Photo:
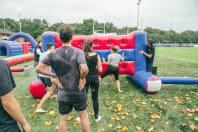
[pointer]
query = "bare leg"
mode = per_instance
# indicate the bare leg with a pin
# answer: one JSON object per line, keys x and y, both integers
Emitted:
{"x": 118, "y": 86}
{"x": 45, "y": 98}
{"x": 84, "y": 121}
{"x": 100, "y": 79}
{"x": 63, "y": 123}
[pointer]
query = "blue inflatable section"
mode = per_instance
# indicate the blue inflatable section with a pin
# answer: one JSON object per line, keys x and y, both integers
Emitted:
{"x": 140, "y": 44}
{"x": 10, "y": 48}
{"x": 141, "y": 78}
{"x": 179, "y": 80}
{"x": 23, "y": 35}
{"x": 129, "y": 54}
{"x": 47, "y": 38}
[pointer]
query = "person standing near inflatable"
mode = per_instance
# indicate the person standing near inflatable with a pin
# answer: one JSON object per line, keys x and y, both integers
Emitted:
{"x": 113, "y": 61}
{"x": 46, "y": 80}
{"x": 150, "y": 52}
{"x": 71, "y": 70}
{"x": 10, "y": 111}
{"x": 92, "y": 80}
{"x": 37, "y": 53}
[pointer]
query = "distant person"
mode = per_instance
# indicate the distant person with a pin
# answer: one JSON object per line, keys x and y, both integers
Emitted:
{"x": 150, "y": 53}
{"x": 37, "y": 53}
{"x": 92, "y": 80}
{"x": 71, "y": 69}
{"x": 46, "y": 80}
{"x": 113, "y": 60}
{"x": 10, "y": 112}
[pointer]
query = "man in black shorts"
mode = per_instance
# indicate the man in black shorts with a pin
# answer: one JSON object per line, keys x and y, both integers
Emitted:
{"x": 71, "y": 69}
{"x": 150, "y": 53}
{"x": 46, "y": 81}
{"x": 10, "y": 112}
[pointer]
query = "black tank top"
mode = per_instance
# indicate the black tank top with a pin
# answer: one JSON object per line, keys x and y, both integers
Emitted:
{"x": 92, "y": 62}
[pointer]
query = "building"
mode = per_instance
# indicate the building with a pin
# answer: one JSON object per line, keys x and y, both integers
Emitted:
{"x": 5, "y": 34}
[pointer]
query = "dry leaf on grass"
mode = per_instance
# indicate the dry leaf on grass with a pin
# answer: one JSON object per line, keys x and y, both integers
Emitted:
{"x": 110, "y": 125}
{"x": 124, "y": 129}
{"x": 48, "y": 123}
{"x": 151, "y": 129}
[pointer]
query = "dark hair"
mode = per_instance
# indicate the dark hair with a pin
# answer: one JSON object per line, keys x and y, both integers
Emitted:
{"x": 87, "y": 48}
{"x": 115, "y": 48}
{"x": 39, "y": 42}
{"x": 150, "y": 42}
{"x": 49, "y": 45}
{"x": 66, "y": 34}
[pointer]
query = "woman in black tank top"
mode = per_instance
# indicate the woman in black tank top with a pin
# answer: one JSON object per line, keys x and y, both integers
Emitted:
{"x": 92, "y": 80}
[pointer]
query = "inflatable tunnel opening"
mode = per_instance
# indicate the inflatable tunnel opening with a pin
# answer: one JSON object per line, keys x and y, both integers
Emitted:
{"x": 3, "y": 51}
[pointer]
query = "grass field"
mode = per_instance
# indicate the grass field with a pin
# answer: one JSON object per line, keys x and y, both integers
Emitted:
{"x": 170, "y": 110}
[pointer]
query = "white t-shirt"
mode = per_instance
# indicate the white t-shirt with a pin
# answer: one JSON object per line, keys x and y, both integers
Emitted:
{"x": 115, "y": 58}
{"x": 42, "y": 57}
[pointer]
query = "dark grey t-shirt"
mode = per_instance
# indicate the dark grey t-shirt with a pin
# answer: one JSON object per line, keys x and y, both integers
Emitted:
{"x": 66, "y": 62}
{"x": 7, "y": 123}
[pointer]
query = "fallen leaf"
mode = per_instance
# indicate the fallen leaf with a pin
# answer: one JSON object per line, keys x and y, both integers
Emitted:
{"x": 152, "y": 121}
{"x": 182, "y": 111}
{"x": 151, "y": 129}
{"x": 69, "y": 118}
{"x": 160, "y": 107}
{"x": 184, "y": 124}
{"x": 101, "y": 130}
{"x": 48, "y": 123}
{"x": 155, "y": 116}
{"x": 193, "y": 127}
{"x": 110, "y": 125}
{"x": 161, "y": 131}
{"x": 124, "y": 129}
{"x": 131, "y": 120}
{"x": 118, "y": 127}
{"x": 135, "y": 116}
{"x": 189, "y": 114}
{"x": 138, "y": 128}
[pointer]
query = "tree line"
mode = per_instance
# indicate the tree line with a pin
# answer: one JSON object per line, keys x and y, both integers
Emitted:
{"x": 36, "y": 27}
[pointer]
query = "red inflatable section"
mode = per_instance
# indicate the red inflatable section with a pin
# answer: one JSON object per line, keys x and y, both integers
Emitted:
{"x": 101, "y": 42}
{"x": 152, "y": 79}
{"x": 19, "y": 60}
{"x": 127, "y": 67}
{"x": 16, "y": 69}
{"x": 106, "y": 42}
{"x": 26, "y": 46}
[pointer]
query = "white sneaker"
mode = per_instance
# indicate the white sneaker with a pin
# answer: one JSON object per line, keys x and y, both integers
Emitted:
{"x": 99, "y": 118}
{"x": 78, "y": 119}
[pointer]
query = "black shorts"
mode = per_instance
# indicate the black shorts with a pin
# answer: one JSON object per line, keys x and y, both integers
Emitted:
{"x": 66, "y": 107}
{"x": 46, "y": 81}
{"x": 111, "y": 69}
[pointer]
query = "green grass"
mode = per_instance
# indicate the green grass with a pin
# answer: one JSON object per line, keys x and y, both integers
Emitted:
{"x": 138, "y": 102}
{"x": 184, "y": 53}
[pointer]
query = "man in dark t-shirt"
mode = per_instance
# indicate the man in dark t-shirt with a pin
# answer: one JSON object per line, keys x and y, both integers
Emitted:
{"x": 150, "y": 53}
{"x": 71, "y": 69}
{"x": 10, "y": 111}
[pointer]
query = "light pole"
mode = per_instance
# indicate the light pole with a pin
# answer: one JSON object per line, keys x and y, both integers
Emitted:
{"x": 4, "y": 24}
{"x": 19, "y": 17}
{"x": 138, "y": 3}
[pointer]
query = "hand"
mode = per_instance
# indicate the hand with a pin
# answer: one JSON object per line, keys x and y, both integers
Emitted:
{"x": 123, "y": 54}
{"x": 26, "y": 128}
{"x": 141, "y": 52}
{"x": 54, "y": 80}
{"x": 81, "y": 84}
{"x": 103, "y": 59}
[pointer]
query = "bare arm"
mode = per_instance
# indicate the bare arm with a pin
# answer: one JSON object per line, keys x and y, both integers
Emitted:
{"x": 83, "y": 73}
{"x": 146, "y": 54}
{"x": 103, "y": 60}
{"x": 123, "y": 54}
{"x": 12, "y": 107}
{"x": 99, "y": 65}
{"x": 41, "y": 69}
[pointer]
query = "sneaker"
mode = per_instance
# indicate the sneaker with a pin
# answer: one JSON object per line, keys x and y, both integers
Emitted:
{"x": 78, "y": 119}
{"x": 99, "y": 118}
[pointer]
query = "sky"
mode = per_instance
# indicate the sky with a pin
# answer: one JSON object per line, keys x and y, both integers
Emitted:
{"x": 178, "y": 15}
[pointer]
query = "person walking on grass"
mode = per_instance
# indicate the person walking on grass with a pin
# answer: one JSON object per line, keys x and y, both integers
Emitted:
{"x": 71, "y": 69}
{"x": 150, "y": 53}
{"x": 37, "y": 53}
{"x": 46, "y": 80}
{"x": 113, "y": 60}
{"x": 92, "y": 80}
{"x": 10, "y": 111}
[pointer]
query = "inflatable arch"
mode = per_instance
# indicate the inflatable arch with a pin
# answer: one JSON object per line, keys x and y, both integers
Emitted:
{"x": 10, "y": 48}
{"x": 23, "y": 35}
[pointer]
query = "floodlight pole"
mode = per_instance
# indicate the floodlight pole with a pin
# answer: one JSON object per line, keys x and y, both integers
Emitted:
{"x": 19, "y": 17}
{"x": 138, "y": 3}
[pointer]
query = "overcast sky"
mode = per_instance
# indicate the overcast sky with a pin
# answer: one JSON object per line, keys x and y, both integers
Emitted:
{"x": 183, "y": 14}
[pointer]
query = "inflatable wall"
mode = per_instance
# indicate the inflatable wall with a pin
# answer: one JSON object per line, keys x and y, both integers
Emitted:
{"x": 134, "y": 64}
